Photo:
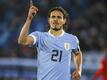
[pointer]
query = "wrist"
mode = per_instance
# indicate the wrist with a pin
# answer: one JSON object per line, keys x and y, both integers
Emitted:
{"x": 79, "y": 71}
{"x": 29, "y": 18}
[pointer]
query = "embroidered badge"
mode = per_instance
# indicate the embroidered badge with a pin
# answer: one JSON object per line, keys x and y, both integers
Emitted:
{"x": 67, "y": 46}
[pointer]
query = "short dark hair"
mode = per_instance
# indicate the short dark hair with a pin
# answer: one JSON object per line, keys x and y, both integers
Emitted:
{"x": 65, "y": 15}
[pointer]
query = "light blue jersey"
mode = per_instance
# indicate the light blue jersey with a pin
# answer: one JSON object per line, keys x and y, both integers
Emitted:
{"x": 54, "y": 55}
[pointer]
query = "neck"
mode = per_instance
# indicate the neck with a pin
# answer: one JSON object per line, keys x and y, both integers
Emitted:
{"x": 56, "y": 33}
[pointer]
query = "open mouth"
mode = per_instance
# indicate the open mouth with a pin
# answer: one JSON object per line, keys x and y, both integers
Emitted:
{"x": 55, "y": 23}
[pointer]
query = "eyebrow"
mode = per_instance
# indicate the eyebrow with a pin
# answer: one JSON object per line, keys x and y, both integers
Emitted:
{"x": 56, "y": 16}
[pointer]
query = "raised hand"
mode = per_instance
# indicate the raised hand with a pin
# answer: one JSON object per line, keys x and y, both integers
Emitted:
{"x": 32, "y": 10}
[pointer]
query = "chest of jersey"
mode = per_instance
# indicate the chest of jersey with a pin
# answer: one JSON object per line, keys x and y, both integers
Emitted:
{"x": 55, "y": 48}
{"x": 49, "y": 43}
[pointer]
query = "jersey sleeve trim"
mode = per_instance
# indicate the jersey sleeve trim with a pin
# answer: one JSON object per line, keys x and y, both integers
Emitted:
{"x": 34, "y": 38}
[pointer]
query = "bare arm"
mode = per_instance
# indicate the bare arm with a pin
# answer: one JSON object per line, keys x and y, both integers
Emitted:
{"x": 78, "y": 61}
{"x": 24, "y": 39}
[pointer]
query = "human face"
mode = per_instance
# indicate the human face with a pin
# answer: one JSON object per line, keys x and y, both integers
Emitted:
{"x": 56, "y": 20}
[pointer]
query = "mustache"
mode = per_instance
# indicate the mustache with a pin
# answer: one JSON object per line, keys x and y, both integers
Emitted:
{"x": 55, "y": 22}
{"x": 56, "y": 29}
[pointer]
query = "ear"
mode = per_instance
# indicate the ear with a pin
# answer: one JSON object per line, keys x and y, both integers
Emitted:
{"x": 48, "y": 20}
{"x": 64, "y": 21}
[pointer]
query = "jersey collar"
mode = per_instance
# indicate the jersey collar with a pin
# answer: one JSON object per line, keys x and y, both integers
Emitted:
{"x": 57, "y": 36}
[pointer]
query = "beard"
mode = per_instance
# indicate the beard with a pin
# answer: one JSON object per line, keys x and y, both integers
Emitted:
{"x": 57, "y": 28}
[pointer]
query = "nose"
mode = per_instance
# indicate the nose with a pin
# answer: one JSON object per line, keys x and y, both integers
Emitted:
{"x": 56, "y": 21}
{"x": 55, "y": 18}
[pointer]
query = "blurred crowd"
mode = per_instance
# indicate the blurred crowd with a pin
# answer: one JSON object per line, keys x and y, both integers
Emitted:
{"x": 87, "y": 21}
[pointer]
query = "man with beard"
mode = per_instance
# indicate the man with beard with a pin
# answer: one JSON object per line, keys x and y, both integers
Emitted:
{"x": 54, "y": 47}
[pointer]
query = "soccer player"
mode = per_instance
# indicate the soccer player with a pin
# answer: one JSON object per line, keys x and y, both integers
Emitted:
{"x": 54, "y": 47}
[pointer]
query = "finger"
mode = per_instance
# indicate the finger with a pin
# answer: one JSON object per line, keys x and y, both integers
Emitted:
{"x": 76, "y": 78}
{"x": 31, "y": 3}
{"x": 74, "y": 75}
{"x": 36, "y": 9}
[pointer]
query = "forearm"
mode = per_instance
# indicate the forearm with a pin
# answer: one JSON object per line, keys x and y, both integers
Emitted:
{"x": 24, "y": 32}
{"x": 78, "y": 61}
{"x": 23, "y": 37}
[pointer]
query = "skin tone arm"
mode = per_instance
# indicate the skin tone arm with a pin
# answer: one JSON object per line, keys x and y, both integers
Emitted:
{"x": 24, "y": 39}
{"x": 78, "y": 61}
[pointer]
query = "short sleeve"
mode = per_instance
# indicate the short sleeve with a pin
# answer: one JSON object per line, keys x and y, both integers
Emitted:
{"x": 76, "y": 45}
{"x": 35, "y": 35}
{"x": 77, "y": 42}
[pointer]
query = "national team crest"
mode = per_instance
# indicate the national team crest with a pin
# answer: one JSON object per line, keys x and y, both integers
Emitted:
{"x": 67, "y": 46}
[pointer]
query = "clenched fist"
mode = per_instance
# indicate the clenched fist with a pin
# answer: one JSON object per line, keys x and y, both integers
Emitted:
{"x": 76, "y": 75}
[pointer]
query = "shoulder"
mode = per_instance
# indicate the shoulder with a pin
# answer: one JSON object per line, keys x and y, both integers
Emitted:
{"x": 38, "y": 32}
{"x": 71, "y": 35}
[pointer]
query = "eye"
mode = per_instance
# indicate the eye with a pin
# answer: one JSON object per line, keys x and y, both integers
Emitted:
{"x": 52, "y": 17}
{"x": 59, "y": 17}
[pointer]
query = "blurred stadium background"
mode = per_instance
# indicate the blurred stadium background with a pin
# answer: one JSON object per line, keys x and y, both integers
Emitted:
{"x": 88, "y": 20}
